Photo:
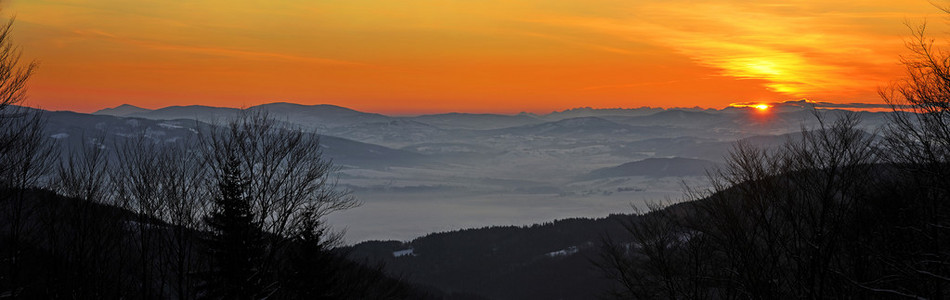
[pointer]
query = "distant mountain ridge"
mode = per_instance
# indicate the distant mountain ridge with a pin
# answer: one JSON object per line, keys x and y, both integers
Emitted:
{"x": 321, "y": 115}
{"x": 121, "y": 110}
{"x": 326, "y": 116}
{"x": 170, "y": 111}
{"x": 783, "y": 107}
{"x": 657, "y": 167}
{"x": 75, "y": 129}
{"x": 630, "y": 133}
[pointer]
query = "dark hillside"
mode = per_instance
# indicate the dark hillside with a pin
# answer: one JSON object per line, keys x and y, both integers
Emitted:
{"x": 76, "y": 249}
{"x": 542, "y": 261}
{"x": 656, "y": 167}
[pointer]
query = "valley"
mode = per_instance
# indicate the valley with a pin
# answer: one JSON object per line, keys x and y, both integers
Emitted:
{"x": 420, "y": 174}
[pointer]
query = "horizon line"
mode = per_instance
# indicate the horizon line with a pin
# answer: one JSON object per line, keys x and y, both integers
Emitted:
{"x": 854, "y": 106}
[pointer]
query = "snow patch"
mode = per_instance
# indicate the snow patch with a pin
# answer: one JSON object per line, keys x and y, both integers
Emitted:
{"x": 563, "y": 252}
{"x": 169, "y": 126}
{"x": 406, "y": 252}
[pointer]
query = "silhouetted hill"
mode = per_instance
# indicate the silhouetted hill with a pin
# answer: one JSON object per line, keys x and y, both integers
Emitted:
{"x": 321, "y": 115}
{"x": 554, "y": 260}
{"x": 72, "y": 248}
{"x": 121, "y": 110}
{"x": 348, "y": 152}
{"x": 310, "y": 116}
{"x": 656, "y": 167}
{"x": 76, "y": 129}
{"x": 295, "y": 113}
{"x": 202, "y": 113}
{"x": 542, "y": 261}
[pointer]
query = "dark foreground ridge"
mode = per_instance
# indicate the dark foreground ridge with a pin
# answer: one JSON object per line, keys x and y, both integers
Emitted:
{"x": 541, "y": 261}
{"x": 844, "y": 236}
{"x": 71, "y": 248}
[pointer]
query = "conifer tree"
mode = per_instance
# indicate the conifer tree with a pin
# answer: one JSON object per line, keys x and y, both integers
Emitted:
{"x": 235, "y": 240}
{"x": 311, "y": 265}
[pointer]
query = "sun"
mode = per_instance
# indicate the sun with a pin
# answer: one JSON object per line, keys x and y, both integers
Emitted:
{"x": 762, "y": 107}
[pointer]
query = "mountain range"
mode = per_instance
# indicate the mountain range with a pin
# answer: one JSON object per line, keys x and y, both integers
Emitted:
{"x": 477, "y": 170}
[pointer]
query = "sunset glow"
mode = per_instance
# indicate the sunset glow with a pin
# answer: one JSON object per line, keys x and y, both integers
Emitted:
{"x": 762, "y": 107}
{"x": 426, "y": 56}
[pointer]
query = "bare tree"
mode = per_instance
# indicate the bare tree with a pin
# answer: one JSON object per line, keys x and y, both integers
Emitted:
{"x": 86, "y": 245}
{"x": 13, "y": 75}
{"x": 776, "y": 222}
{"x": 662, "y": 259}
{"x": 290, "y": 183}
{"x": 136, "y": 179}
{"x": 918, "y": 142}
{"x": 83, "y": 172}
{"x": 26, "y": 157}
{"x": 919, "y": 130}
{"x": 183, "y": 203}
{"x": 25, "y": 154}
{"x": 20, "y": 128}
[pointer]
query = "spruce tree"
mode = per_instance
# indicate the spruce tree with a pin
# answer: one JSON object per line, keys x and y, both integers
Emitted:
{"x": 311, "y": 265}
{"x": 235, "y": 239}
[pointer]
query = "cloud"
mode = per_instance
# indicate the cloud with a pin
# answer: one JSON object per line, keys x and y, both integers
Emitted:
{"x": 804, "y": 103}
{"x": 492, "y": 55}
{"x": 799, "y": 49}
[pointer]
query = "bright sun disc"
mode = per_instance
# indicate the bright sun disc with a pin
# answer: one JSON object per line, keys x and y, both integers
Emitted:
{"x": 762, "y": 107}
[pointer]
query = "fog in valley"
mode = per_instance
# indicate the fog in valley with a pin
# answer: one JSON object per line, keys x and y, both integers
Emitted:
{"x": 421, "y": 174}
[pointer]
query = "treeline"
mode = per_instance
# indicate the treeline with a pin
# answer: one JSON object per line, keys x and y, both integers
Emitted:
{"x": 504, "y": 262}
{"x": 838, "y": 213}
{"x": 235, "y": 212}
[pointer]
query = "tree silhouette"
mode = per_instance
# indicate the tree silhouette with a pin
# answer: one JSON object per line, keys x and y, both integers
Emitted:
{"x": 839, "y": 213}
{"x": 797, "y": 220}
{"x": 234, "y": 240}
{"x": 917, "y": 140}
{"x": 25, "y": 157}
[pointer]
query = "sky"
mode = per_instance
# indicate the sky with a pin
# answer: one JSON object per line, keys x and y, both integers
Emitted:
{"x": 486, "y": 56}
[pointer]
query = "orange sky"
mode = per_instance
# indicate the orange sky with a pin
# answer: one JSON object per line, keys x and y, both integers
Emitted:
{"x": 425, "y": 56}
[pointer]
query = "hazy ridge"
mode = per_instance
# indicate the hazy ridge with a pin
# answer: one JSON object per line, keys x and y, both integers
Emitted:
{"x": 428, "y": 173}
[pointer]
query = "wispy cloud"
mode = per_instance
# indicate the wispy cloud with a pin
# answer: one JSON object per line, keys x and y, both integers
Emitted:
{"x": 493, "y": 55}
{"x": 798, "y": 50}
{"x": 817, "y": 104}
{"x": 218, "y": 51}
